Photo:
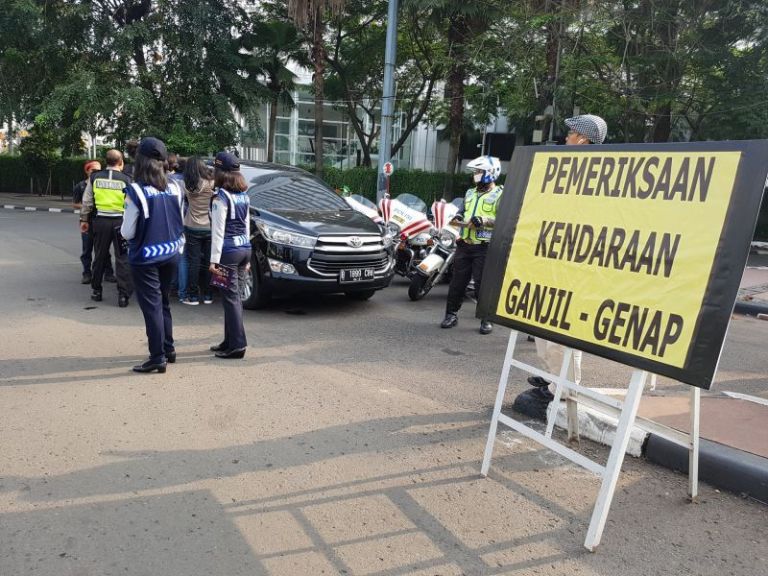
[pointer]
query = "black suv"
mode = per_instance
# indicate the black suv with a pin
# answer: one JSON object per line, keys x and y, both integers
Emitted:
{"x": 307, "y": 239}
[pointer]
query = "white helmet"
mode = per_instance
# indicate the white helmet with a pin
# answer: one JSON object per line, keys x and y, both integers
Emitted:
{"x": 490, "y": 167}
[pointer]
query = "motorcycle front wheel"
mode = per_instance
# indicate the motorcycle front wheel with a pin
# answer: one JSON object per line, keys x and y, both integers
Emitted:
{"x": 420, "y": 286}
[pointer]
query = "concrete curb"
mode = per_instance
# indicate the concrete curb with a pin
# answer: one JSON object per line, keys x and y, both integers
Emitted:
{"x": 41, "y": 209}
{"x": 601, "y": 428}
{"x": 750, "y": 308}
{"x": 719, "y": 465}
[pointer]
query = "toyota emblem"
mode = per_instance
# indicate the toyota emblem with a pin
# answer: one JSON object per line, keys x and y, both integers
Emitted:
{"x": 355, "y": 242}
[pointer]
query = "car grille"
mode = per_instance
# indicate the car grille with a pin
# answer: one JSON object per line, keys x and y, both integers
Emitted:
{"x": 335, "y": 253}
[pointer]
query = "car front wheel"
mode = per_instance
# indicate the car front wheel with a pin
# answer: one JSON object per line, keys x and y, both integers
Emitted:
{"x": 254, "y": 293}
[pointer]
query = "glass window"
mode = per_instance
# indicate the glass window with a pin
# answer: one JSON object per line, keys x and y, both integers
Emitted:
{"x": 283, "y": 126}
{"x": 282, "y": 157}
{"x": 282, "y": 143}
{"x": 288, "y": 191}
{"x": 306, "y": 128}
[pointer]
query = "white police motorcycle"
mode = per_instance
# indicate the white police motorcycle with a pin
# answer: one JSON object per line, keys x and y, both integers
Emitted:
{"x": 438, "y": 264}
{"x": 406, "y": 222}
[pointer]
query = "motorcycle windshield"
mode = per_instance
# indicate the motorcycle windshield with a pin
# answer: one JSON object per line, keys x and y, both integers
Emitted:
{"x": 364, "y": 201}
{"x": 443, "y": 213}
{"x": 413, "y": 202}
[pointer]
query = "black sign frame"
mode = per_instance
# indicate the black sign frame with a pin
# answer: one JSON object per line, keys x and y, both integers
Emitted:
{"x": 724, "y": 278}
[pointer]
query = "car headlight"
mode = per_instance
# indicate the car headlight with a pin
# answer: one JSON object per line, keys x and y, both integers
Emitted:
{"x": 286, "y": 237}
{"x": 387, "y": 240}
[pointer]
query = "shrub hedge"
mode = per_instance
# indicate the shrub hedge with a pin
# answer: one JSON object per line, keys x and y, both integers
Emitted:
{"x": 426, "y": 185}
{"x": 16, "y": 176}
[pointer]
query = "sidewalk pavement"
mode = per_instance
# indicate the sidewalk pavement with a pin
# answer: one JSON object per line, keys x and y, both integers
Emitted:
{"x": 734, "y": 448}
{"x": 733, "y": 453}
{"x": 35, "y": 203}
{"x": 753, "y": 291}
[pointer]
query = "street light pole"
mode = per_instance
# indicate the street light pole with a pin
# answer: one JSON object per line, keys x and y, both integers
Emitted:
{"x": 388, "y": 97}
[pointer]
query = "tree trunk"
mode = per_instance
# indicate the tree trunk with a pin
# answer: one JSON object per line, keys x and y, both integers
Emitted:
{"x": 272, "y": 127}
{"x": 318, "y": 58}
{"x": 457, "y": 35}
{"x": 10, "y": 134}
{"x": 662, "y": 128}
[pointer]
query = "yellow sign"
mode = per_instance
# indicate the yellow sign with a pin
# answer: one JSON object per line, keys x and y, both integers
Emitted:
{"x": 616, "y": 249}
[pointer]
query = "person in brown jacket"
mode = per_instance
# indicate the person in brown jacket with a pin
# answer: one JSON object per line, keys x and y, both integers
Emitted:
{"x": 198, "y": 181}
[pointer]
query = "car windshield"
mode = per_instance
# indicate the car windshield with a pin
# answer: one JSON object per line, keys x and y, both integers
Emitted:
{"x": 288, "y": 191}
{"x": 413, "y": 202}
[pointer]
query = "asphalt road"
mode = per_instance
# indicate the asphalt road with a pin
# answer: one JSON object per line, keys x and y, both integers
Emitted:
{"x": 388, "y": 337}
{"x": 347, "y": 442}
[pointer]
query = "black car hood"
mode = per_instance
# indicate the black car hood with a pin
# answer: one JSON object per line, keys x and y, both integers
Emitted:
{"x": 317, "y": 223}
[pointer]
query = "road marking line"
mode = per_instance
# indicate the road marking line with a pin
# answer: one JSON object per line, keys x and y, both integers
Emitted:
{"x": 747, "y": 397}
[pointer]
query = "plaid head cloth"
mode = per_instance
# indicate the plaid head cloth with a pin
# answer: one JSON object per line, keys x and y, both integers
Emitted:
{"x": 591, "y": 126}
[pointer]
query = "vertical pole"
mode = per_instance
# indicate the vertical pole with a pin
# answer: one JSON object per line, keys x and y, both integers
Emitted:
{"x": 388, "y": 96}
{"x": 693, "y": 444}
{"x": 499, "y": 401}
{"x": 615, "y": 458}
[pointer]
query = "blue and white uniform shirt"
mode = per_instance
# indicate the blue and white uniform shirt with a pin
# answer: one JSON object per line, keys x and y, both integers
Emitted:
{"x": 230, "y": 223}
{"x": 156, "y": 232}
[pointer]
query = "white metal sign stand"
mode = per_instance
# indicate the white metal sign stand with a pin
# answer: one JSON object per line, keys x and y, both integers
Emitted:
{"x": 627, "y": 415}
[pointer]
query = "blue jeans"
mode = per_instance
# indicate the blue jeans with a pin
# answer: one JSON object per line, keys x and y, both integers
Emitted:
{"x": 182, "y": 277}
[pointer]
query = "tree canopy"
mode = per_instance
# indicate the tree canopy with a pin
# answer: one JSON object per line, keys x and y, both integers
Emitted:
{"x": 190, "y": 71}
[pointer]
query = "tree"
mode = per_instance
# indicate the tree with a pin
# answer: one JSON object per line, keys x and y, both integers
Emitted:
{"x": 311, "y": 16}
{"x": 463, "y": 23}
{"x": 272, "y": 46}
{"x": 39, "y": 151}
{"x": 356, "y": 60}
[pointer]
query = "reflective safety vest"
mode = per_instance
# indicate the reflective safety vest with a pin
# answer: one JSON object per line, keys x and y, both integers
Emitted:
{"x": 483, "y": 205}
{"x": 108, "y": 195}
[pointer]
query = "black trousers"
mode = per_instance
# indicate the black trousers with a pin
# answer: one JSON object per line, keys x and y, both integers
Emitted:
{"x": 153, "y": 283}
{"x": 234, "y": 332}
{"x": 86, "y": 254}
{"x": 197, "y": 250}
{"x": 467, "y": 264}
{"x": 105, "y": 233}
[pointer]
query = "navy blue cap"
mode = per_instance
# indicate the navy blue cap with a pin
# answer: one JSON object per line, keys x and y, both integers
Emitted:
{"x": 153, "y": 148}
{"x": 227, "y": 162}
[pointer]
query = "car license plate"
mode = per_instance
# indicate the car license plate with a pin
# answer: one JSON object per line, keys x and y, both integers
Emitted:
{"x": 356, "y": 275}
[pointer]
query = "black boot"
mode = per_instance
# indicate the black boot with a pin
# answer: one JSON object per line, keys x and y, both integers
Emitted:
{"x": 122, "y": 300}
{"x": 485, "y": 327}
{"x": 150, "y": 366}
{"x": 450, "y": 320}
{"x": 234, "y": 354}
{"x": 96, "y": 296}
{"x": 533, "y": 403}
{"x": 538, "y": 382}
